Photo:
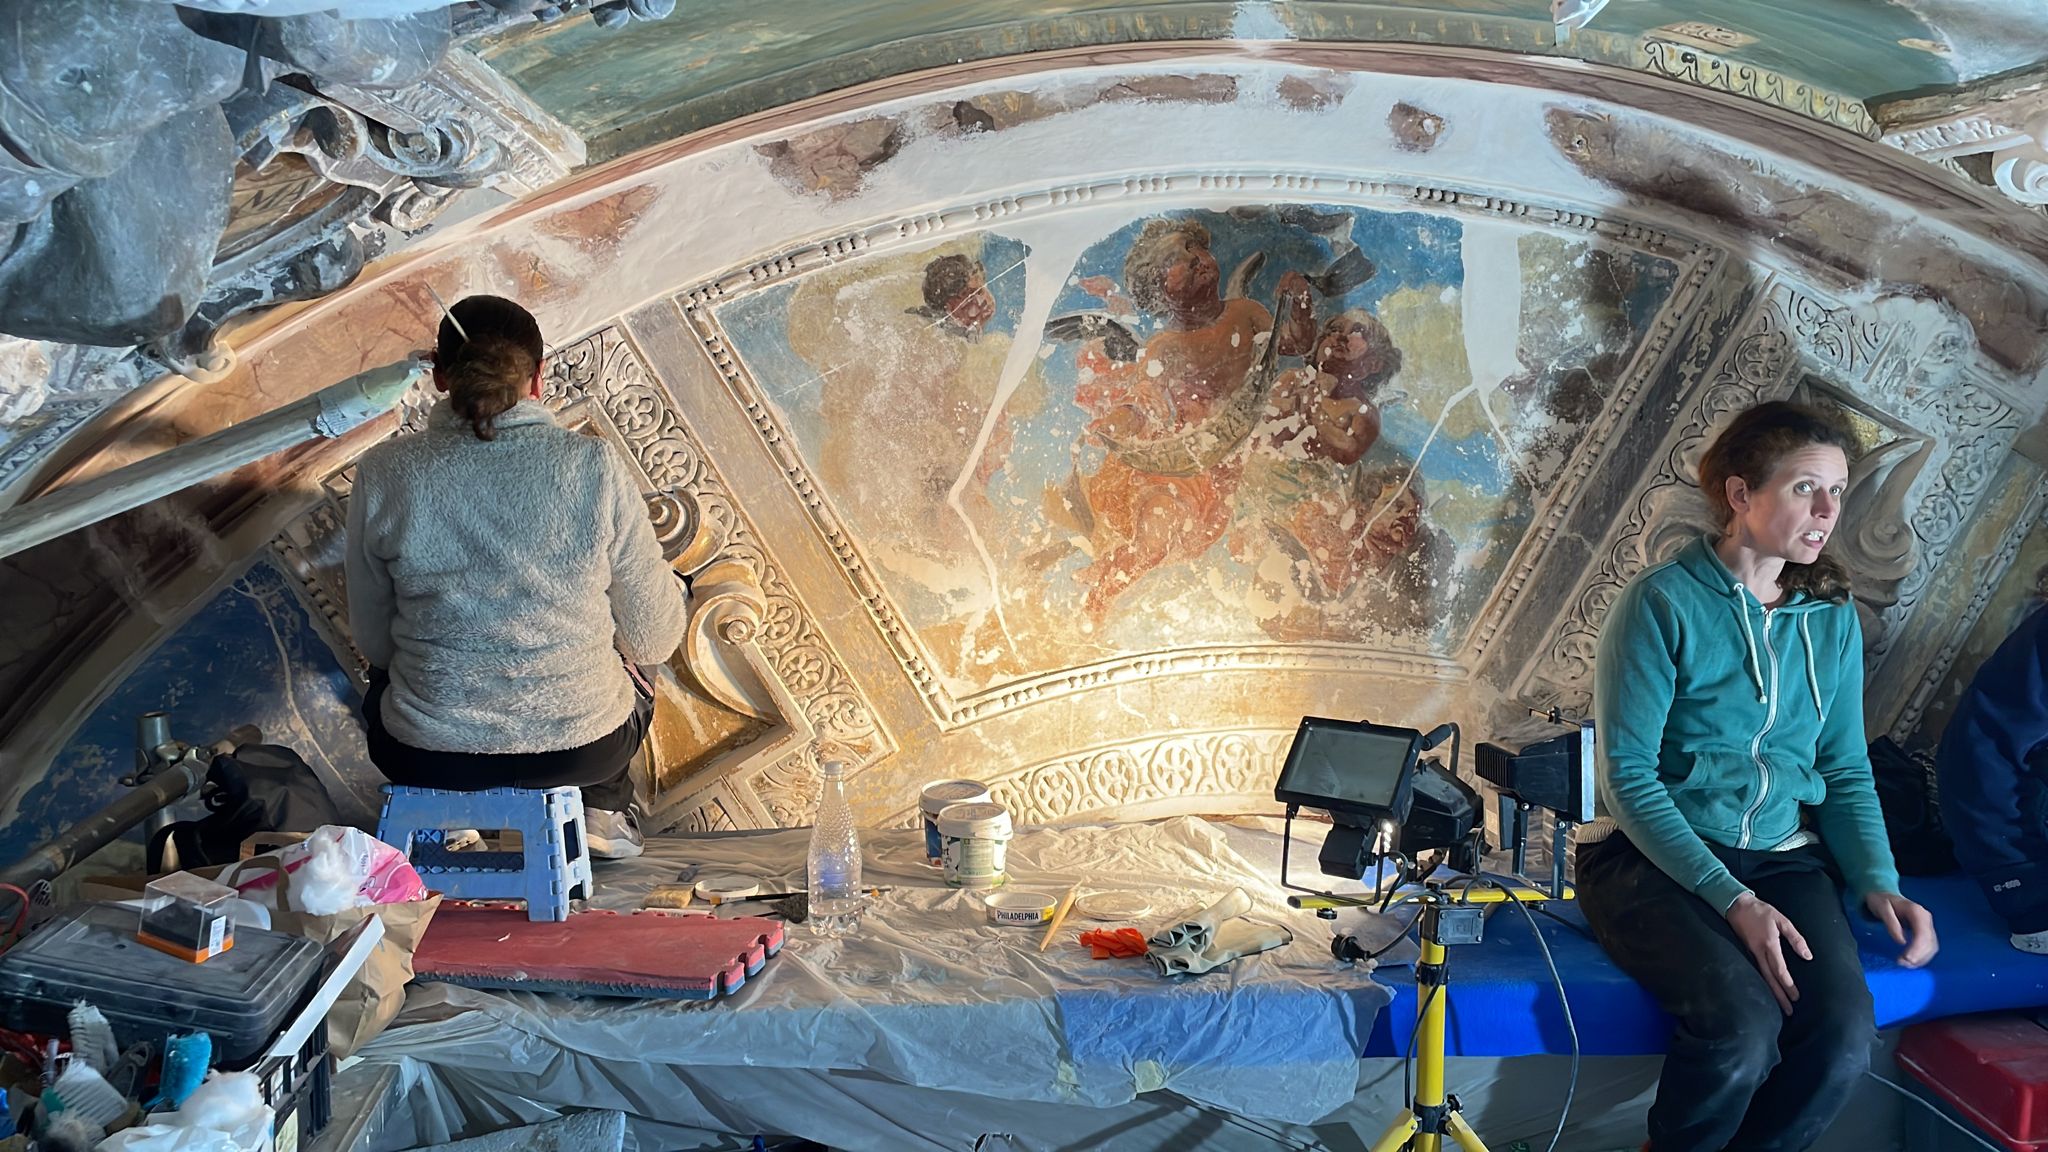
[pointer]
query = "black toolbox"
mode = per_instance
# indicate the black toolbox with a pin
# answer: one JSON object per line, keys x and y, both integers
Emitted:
{"x": 240, "y": 997}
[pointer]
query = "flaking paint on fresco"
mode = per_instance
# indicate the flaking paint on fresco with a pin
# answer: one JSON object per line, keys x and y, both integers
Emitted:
{"x": 1271, "y": 423}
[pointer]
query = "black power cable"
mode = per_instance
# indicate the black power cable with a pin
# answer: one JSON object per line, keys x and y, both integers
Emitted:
{"x": 1571, "y": 1089}
{"x": 1408, "y": 1057}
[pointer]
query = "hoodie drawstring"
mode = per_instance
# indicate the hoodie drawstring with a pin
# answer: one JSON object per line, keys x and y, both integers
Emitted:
{"x": 1812, "y": 678}
{"x": 1756, "y": 666}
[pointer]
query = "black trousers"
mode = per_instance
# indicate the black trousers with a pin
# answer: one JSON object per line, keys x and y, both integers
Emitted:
{"x": 1740, "y": 1074}
{"x": 601, "y": 767}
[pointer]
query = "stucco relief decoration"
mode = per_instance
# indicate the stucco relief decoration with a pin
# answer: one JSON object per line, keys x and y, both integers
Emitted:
{"x": 1127, "y": 778}
{"x": 1283, "y": 425}
{"x": 1895, "y": 365}
{"x": 1666, "y": 512}
{"x": 604, "y": 368}
{"x": 170, "y": 168}
{"x": 2003, "y": 120}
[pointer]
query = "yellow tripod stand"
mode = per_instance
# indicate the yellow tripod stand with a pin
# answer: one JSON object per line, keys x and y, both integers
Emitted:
{"x": 1433, "y": 1115}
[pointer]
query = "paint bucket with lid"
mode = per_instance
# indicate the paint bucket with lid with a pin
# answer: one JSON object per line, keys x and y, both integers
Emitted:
{"x": 973, "y": 839}
{"x": 935, "y": 798}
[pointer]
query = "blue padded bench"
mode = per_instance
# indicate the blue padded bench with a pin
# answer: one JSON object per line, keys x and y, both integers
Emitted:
{"x": 1504, "y": 1004}
{"x": 551, "y": 869}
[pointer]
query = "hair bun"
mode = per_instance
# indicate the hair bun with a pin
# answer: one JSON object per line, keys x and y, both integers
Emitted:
{"x": 489, "y": 375}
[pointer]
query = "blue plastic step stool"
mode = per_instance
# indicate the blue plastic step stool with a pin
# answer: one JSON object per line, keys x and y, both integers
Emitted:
{"x": 552, "y": 869}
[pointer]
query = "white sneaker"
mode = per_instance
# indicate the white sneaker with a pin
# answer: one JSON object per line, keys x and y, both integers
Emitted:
{"x": 612, "y": 835}
{"x": 462, "y": 840}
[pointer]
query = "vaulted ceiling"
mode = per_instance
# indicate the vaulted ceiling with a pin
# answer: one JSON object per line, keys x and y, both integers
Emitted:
{"x": 1607, "y": 227}
{"x": 721, "y": 59}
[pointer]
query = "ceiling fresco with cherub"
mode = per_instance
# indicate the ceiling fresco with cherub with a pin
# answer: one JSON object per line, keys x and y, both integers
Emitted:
{"x": 1296, "y": 424}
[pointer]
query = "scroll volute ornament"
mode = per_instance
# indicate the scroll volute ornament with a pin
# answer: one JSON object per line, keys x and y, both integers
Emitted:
{"x": 719, "y": 657}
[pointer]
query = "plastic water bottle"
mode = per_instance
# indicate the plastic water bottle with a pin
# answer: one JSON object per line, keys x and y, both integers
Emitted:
{"x": 836, "y": 898}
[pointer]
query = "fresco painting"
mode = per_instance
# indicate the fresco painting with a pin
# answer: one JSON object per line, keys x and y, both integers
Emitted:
{"x": 1284, "y": 423}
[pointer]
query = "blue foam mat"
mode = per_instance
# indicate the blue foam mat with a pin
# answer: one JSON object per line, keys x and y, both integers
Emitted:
{"x": 1503, "y": 1003}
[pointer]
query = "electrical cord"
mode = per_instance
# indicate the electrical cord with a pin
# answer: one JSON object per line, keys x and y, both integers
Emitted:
{"x": 1571, "y": 1026}
{"x": 1376, "y": 953}
{"x": 1581, "y": 929}
{"x": 1916, "y": 1098}
{"x": 1408, "y": 1057}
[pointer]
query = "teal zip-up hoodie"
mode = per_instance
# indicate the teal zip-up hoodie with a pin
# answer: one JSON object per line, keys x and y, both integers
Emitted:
{"x": 1724, "y": 721}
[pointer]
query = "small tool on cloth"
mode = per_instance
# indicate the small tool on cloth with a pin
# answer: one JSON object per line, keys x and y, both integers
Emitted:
{"x": 1122, "y": 943}
{"x": 770, "y": 897}
{"x": 1059, "y": 916}
{"x": 795, "y": 907}
{"x": 875, "y": 891}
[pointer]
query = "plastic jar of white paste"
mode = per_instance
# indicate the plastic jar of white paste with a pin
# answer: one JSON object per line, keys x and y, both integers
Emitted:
{"x": 973, "y": 838}
{"x": 936, "y": 798}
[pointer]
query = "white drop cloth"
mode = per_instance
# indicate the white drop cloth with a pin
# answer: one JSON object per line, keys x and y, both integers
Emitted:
{"x": 930, "y": 995}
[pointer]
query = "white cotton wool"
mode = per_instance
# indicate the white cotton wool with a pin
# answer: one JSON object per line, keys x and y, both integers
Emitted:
{"x": 326, "y": 883}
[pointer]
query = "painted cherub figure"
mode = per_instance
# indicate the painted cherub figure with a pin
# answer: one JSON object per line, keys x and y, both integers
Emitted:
{"x": 1305, "y": 491}
{"x": 1173, "y": 411}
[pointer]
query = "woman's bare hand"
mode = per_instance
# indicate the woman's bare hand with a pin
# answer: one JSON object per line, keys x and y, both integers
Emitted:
{"x": 1909, "y": 924}
{"x": 1767, "y": 932}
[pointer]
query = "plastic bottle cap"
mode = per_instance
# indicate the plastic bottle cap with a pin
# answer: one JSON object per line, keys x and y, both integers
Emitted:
{"x": 975, "y": 821}
{"x": 722, "y": 886}
{"x": 941, "y": 794}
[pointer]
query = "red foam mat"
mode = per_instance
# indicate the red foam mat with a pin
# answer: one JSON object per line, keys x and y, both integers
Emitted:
{"x": 644, "y": 954}
{"x": 1993, "y": 1069}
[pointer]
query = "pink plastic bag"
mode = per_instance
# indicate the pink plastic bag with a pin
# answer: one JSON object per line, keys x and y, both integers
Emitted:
{"x": 334, "y": 868}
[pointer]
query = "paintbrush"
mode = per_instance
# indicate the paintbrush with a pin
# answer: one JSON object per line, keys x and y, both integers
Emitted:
{"x": 1059, "y": 915}
{"x": 449, "y": 313}
{"x": 787, "y": 895}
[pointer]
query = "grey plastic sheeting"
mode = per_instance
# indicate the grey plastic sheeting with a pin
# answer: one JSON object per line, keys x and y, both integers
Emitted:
{"x": 927, "y": 995}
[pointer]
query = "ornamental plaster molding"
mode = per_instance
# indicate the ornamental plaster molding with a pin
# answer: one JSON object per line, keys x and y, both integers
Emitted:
{"x": 1184, "y": 773}
{"x": 2003, "y": 120}
{"x": 606, "y": 369}
{"x": 1693, "y": 65}
{"x": 1896, "y": 362}
{"x": 1988, "y": 573}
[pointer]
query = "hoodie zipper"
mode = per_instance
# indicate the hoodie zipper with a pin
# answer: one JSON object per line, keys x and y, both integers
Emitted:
{"x": 1756, "y": 746}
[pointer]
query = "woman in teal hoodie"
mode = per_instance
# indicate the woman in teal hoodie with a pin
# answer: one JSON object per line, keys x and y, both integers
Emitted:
{"x": 1729, "y": 694}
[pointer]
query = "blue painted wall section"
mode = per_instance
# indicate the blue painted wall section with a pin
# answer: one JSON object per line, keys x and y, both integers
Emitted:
{"x": 250, "y": 656}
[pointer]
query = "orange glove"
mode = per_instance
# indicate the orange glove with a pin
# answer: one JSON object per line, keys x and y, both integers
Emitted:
{"x": 1119, "y": 942}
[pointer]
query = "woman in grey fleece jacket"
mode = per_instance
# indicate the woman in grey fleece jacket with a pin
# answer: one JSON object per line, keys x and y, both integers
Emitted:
{"x": 499, "y": 567}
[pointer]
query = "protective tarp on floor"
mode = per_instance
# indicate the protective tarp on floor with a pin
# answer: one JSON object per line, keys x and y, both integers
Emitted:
{"x": 928, "y": 995}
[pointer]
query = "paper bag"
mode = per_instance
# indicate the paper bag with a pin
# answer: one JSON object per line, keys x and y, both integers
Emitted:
{"x": 374, "y": 998}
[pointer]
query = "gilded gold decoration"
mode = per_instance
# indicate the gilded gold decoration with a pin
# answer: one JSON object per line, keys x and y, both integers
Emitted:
{"x": 1691, "y": 65}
